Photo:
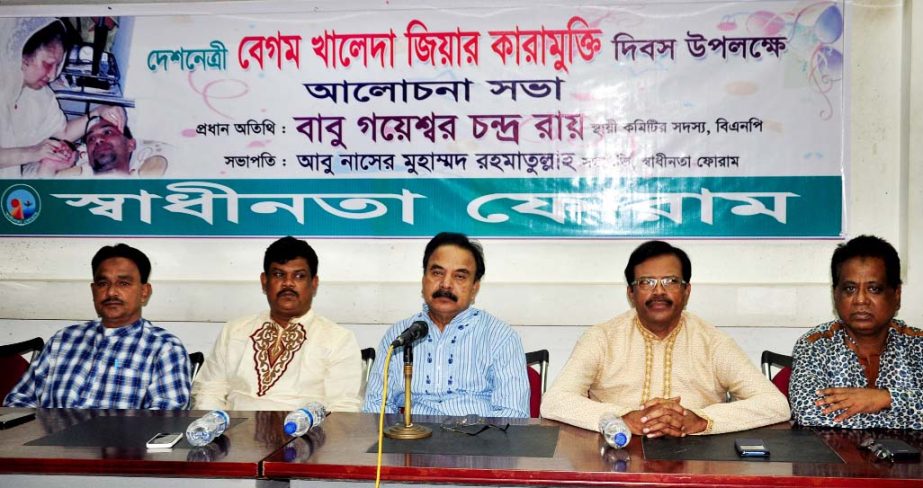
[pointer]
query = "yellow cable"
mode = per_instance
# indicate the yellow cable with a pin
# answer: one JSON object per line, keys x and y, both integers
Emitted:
{"x": 381, "y": 416}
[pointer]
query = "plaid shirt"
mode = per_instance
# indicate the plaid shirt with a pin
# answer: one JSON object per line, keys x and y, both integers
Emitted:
{"x": 136, "y": 366}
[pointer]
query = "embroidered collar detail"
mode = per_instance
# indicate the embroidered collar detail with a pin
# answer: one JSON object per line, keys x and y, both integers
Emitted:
{"x": 271, "y": 365}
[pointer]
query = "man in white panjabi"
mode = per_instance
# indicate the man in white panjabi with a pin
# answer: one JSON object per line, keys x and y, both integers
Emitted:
{"x": 665, "y": 371}
{"x": 288, "y": 356}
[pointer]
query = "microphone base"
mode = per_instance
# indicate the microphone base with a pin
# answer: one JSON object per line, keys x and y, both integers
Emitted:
{"x": 401, "y": 432}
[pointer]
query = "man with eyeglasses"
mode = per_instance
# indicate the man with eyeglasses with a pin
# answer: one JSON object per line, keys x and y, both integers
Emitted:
{"x": 665, "y": 371}
{"x": 285, "y": 357}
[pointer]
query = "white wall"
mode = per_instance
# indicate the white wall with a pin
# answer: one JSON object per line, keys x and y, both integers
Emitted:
{"x": 764, "y": 293}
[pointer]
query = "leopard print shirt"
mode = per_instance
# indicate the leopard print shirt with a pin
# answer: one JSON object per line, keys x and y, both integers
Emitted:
{"x": 823, "y": 360}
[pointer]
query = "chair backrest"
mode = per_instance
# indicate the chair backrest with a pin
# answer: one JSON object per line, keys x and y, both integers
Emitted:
{"x": 195, "y": 364}
{"x": 771, "y": 360}
{"x": 538, "y": 380}
{"x": 33, "y": 345}
{"x": 783, "y": 363}
{"x": 368, "y": 359}
{"x": 13, "y": 365}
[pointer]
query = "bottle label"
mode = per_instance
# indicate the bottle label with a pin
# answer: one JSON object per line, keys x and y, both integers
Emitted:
{"x": 310, "y": 417}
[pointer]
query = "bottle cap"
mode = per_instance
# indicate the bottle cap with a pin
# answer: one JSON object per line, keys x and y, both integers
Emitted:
{"x": 620, "y": 439}
{"x": 290, "y": 428}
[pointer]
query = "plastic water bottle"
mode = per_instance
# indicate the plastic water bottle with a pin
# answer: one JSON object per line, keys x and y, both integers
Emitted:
{"x": 614, "y": 430}
{"x": 206, "y": 429}
{"x": 304, "y": 419}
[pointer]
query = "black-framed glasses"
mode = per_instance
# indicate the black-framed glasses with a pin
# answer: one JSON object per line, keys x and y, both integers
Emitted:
{"x": 668, "y": 282}
{"x": 471, "y": 425}
{"x": 880, "y": 452}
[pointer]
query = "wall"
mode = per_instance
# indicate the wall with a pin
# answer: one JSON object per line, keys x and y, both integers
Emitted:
{"x": 764, "y": 293}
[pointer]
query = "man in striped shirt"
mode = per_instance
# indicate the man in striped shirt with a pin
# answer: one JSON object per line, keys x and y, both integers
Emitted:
{"x": 119, "y": 361}
{"x": 470, "y": 362}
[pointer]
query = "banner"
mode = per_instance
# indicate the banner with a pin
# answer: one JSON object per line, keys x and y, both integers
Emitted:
{"x": 696, "y": 119}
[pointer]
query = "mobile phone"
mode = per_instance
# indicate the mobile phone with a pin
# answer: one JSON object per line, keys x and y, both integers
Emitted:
{"x": 751, "y": 448}
{"x": 8, "y": 420}
{"x": 164, "y": 440}
{"x": 900, "y": 450}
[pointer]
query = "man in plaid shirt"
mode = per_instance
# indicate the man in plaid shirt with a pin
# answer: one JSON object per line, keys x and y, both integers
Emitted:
{"x": 120, "y": 361}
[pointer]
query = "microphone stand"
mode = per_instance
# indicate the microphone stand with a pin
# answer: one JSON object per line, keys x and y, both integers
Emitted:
{"x": 407, "y": 430}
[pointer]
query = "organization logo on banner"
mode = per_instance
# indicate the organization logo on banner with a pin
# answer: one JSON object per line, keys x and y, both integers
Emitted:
{"x": 21, "y": 204}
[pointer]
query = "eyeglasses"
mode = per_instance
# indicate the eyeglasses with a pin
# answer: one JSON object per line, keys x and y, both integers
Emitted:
{"x": 880, "y": 452}
{"x": 471, "y": 425}
{"x": 668, "y": 282}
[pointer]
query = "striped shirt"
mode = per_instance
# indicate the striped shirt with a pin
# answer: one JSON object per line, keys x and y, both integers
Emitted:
{"x": 475, "y": 366}
{"x": 83, "y": 366}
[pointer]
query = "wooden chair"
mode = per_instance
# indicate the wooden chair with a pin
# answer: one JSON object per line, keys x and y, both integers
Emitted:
{"x": 196, "y": 360}
{"x": 783, "y": 364}
{"x": 13, "y": 365}
{"x": 538, "y": 380}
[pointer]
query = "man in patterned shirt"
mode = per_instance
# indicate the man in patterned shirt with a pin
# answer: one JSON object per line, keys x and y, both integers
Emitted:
{"x": 120, "y": 361}
{"x": 864, "y": 370}
{"x": 665, "y": 371}
{"x": 285, "y": 357}
{"x": 470, "y": 362}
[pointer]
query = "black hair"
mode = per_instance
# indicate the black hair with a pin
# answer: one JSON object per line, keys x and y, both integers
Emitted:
{"x": 459, "y": 240}
{"x": 126, "y": 131}
{"x": 287, "y": 249}
{"x": 51, "y": 33}
{"x": 652, "y": 249}
{"x": 866, "y": 246}
{"x": 121, "y": 250}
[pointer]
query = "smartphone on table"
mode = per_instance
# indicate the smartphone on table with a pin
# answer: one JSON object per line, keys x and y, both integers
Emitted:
{"x": 8, "y": 420}
{"x": 164, "y": 440}
{"x": 751, "y": 448}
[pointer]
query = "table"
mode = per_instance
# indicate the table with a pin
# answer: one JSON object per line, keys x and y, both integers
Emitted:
{"x": 237, "y": 455}
{"x": 580, "y": 459}
{"x": 255, "y": 453}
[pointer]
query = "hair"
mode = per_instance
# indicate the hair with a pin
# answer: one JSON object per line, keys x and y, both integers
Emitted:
{"x": 287, "y": 249}
{"x": 50, "y": 34}
{"x": 866, "y": 246}
{"x": 458, "y": 240}
{"x": 652, "y": 249}
{"x": 126, "y": 131}
{"x": 122, "y": 250}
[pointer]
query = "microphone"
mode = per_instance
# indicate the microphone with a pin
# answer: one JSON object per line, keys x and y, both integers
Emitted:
{"x": 417, "y": 330}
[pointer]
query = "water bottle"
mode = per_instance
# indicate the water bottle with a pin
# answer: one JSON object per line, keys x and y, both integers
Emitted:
{"x": 206, "y": 429}
{"x": 614, "y": 430}
{"x": 304, "y": 419}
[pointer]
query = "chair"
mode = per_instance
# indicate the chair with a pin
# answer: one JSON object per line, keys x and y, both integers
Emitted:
{"x": 13, "y": 365}
{"x": 368, "y": 358}
{"x": 538, "y": 380}
{"x": 195, "y": 364}
{"x": 783, "y": 363}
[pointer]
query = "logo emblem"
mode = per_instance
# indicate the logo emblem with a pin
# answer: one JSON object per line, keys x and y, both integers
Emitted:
{"x": 21, "y": 204}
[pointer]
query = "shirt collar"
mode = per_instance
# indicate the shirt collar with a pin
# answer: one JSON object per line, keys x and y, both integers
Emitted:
{"x": 464, "y": 315}
{"x": 123, "y": 330}
{"x": 304, "y": 320}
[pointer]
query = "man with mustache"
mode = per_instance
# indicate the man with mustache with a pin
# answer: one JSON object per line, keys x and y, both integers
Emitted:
{"x": 285, "y": 357}
{"x": 110, "y": 148}
{"x": 865, "y": 369}
{"x": 665, "y": 371}
{"x": 120, "y": 361}
{"x": 470, "y": 362}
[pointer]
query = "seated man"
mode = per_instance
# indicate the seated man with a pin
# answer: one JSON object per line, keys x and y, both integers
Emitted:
{"x": 119, "y": 361}
{"x": 666, "y": 372}
{"x": 864, "y": 370}
{"x": 470, "y": 362}
{"x": 285, "y": 357}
